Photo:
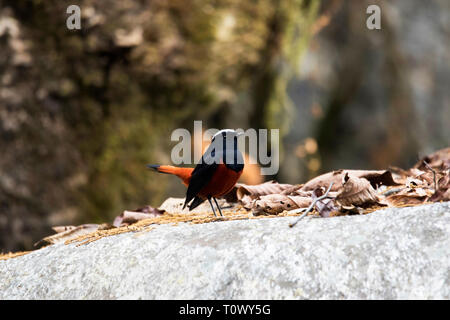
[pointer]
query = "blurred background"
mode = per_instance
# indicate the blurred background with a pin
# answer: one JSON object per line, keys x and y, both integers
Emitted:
{"x": 83, "y": 111}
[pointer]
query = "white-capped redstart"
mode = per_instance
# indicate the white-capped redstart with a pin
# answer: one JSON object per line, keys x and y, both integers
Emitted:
{"x": 216, "y": 173}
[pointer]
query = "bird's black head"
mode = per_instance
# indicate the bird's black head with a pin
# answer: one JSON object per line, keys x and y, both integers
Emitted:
{"x": 226, "y": 135}
{"x": 226, "y": 141}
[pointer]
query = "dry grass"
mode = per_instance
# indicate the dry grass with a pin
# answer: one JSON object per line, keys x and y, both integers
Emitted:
{"x": 176, "y": 218}
{"x": 192, "y": 218}
{"x": 5, "y": 256}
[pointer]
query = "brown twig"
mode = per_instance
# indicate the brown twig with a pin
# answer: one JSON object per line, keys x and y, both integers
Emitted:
{"x": 311, "y": 206}
{"x": 434, "y": 174}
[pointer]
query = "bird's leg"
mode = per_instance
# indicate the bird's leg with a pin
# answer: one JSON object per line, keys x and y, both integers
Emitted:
{"x": 212, "y": 207}
{"x": 218, "y": 207}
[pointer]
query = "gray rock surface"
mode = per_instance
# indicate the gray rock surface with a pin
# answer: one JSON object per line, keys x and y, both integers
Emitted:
{"x": 389, "y": 254}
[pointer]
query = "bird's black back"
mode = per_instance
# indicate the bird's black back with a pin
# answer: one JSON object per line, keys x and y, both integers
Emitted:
{"x": 206, "y": 168}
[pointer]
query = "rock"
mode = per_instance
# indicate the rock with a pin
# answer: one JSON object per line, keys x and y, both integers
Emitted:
{"x": 398, "y": 253}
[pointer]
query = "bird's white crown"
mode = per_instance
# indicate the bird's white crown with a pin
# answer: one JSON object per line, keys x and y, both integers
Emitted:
{"x": 228, "y": 132}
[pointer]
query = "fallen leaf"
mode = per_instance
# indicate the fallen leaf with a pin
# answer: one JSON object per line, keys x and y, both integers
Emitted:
{"x": 413, "y": 182}
{"x": 129, "y": 217}
{"x": 404, "y": 199}
{"x": 399, "y": 175}
{"x": 356, "y": 192}
{"x": 149, "y": 210}
{"x": 72, "y": 232}
{"x": 415, "y": 192}
{"x": 270, "y": 187}
{"x": 375, "y": 177}
{"x": 425, "y": 177}
{"x": 443, "y": 189}
{"x": 277, "y": 203}
{"x": 441, "y": 195}
{"x": 247, "y": 201}
{"x": 59, "y": 229}
{"x": 327, "y": 207}
{"x": 175, "y": 206}
{"x": 439, "y": 160}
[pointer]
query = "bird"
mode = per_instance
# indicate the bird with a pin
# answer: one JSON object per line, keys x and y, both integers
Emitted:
{"x": 214, "y": 175}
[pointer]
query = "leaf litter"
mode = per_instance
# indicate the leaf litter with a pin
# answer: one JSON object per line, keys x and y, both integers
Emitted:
{"x": 350, "y": 192}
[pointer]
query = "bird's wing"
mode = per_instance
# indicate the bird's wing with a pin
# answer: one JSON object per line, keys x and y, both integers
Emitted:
{"x": 195, "y": 203}
{"x": 201, "y": 175}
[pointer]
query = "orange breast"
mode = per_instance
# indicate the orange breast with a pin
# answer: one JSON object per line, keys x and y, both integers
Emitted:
{"x": 221, "y": 183}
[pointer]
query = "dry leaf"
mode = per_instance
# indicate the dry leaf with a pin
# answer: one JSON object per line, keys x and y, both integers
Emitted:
{"x": 404, "y": 199}
{"x": 296, "y": 191}
{"x": 409, "y": 196}
{"x": 175, "y": 206}
{"x": 247, "y": 201}
{"x": 425, "y": 177}
{"x": 240, "y": 191}
{"x": 277, "y": 203}
{"x": 399, "y": 175}
{"x": 59, "y": 229}
{"x": 129, "y": 217}
{"x": 72, "y": 232}
{"x": 375, "y": 177}
{"x": 271, "y": 187}
{"x": 443, "y": 190}
{"x": 413, "y": 182}
{"x": 356, "y": 192}
{"x": 245, "y": 194}
{"x": 439, "y": 160}
{"x": 326, "y": 207}
{"x": 441, "y": 195}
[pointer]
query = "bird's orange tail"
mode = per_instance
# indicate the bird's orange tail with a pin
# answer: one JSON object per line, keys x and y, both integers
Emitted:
{"x": 183, "y": 173}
